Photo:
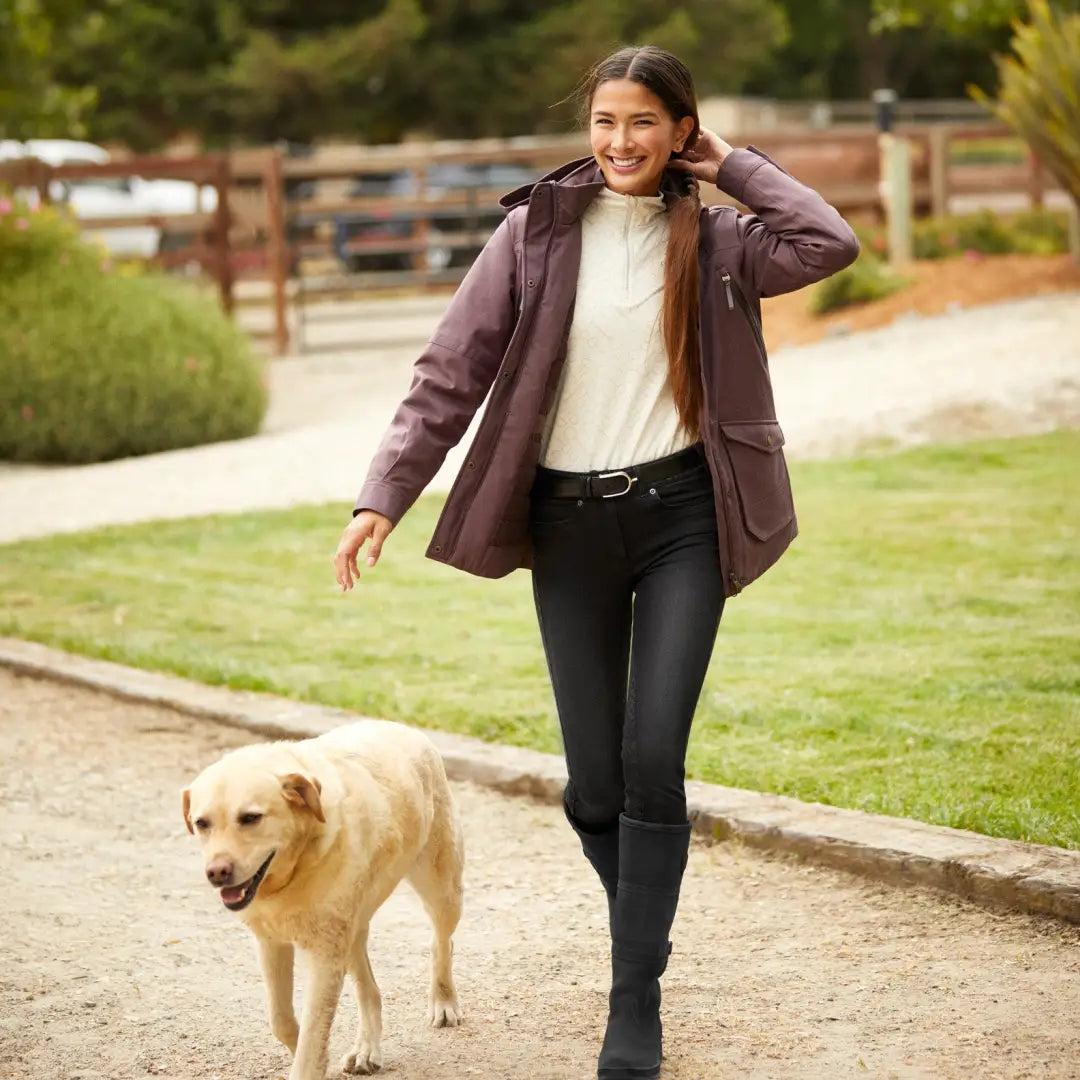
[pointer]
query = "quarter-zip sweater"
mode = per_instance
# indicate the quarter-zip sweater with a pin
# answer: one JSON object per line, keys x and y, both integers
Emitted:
{"x": 613, "y": 405}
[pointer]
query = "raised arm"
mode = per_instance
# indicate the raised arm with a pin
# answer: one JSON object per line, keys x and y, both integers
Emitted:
{"x": 793, "y": 237}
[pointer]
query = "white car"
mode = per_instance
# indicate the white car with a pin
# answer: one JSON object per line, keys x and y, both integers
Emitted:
{"x": 101, "y": 198}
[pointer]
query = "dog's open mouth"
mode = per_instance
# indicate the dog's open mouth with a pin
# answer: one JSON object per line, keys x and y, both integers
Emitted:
{"x": 237, "y": 897}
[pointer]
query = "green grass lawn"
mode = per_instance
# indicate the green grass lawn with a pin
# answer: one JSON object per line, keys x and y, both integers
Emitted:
{"x": 916, "y": 653}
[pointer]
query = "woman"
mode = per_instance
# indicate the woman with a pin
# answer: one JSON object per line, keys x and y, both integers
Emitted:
{"x": 629, "y": 454}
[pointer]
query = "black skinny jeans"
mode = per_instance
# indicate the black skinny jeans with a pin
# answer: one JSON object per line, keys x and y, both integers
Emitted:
{"x": 628, "y": 595}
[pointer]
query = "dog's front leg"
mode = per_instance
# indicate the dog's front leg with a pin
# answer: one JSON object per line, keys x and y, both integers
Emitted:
{"x": 277, "y": 968}
{"x": 325, "y": 978}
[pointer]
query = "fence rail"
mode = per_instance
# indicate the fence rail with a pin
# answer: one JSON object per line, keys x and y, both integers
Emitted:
{"x": 309, "y": 229}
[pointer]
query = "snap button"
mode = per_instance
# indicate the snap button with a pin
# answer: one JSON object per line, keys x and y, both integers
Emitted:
{"x": 531, "y": 283}
{"x": 438, "y": 547}
{"x": 471, "y": 464}
{"x": 768, "y": 440}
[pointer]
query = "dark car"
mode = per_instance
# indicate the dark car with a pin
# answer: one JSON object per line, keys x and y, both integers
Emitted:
{"x": 455, "y": 234}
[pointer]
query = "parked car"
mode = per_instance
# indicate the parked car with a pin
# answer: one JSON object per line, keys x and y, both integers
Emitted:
{"x": 101, "y": 198}
{"x": 356, "y": 231}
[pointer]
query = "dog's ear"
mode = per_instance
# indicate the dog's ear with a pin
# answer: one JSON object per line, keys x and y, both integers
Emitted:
{"x": 304, "y": 791}
{"x": 185, "y": 797}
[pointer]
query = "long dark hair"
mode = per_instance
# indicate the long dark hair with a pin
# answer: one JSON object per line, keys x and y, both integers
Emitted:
{"x": 667, "y": 77}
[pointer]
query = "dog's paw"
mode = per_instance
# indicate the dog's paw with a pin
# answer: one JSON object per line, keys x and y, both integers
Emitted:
{"x": 445, "y": 1013}
{"x": 363, "y": 1061}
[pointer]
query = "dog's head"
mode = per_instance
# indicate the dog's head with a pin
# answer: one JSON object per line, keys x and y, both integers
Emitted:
{"x": 246, "y": 815}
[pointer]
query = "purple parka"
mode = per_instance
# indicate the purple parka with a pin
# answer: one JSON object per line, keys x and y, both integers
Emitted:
{"x": 505, "y": 334}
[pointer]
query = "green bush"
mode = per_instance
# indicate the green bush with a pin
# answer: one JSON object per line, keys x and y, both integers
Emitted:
{"x": 1041, "y": 232}
{"x": 97, "y": 363}
{"x": 1036, "y": 232}
{"x": 866, "y": 279}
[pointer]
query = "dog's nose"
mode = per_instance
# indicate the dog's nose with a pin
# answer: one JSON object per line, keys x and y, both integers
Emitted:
{"x": 219, "y": 872}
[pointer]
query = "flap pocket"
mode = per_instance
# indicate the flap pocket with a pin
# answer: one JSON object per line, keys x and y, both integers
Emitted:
{"x": 761, "y": 476}
{"x": 760, "y": 434}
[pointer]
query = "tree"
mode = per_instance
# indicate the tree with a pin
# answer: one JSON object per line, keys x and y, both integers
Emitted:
{"x": 33, "y": 104}
{"x": 1039, "y": 94}
{"x": 156, "y": 66}
{"x": 261, "y": 70}
{"x": 920, "y": 48}
{"x": 956, "y": 17}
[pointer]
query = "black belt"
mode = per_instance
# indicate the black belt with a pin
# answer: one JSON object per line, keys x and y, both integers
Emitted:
{"x": 553, "y": 484}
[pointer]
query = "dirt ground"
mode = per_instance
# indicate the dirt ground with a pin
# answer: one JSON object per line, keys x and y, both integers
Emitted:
{"x": 937, "y": 286}
{"x": 117, "y": 960}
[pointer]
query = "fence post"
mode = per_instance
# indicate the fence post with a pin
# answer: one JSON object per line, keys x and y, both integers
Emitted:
{"x": 42, "y": 177}
{"x": 896, "y": 193}
{"x": 939, "y": 170}
{"x": 274, "y": 186}
{"x": 421, "y": 230}
{"x": 222, "y": 224}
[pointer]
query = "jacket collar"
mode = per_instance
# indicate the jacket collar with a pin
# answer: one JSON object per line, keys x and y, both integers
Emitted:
{"x": 577, "y": 183}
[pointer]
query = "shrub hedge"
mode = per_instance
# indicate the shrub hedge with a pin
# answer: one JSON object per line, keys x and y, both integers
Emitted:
{"x": 99, "y": 363}
{"x": 867, "y": 278}
{"x": 1036, "y": 232}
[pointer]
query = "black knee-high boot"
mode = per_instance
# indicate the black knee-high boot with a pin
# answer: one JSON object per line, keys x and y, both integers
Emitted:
{"x": 601, "y": 846}
{"x": 652, "y": 858}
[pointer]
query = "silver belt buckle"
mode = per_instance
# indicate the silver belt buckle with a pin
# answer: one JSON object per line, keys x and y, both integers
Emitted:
{"x": 630, "y": 481}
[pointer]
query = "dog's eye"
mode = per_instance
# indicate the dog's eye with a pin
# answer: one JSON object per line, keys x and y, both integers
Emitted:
{"x": 249, "y": 819}
{"x": 201, "y": 823}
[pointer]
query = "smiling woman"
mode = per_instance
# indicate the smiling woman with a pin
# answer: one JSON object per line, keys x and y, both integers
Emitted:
{"x": 630, "y": 456}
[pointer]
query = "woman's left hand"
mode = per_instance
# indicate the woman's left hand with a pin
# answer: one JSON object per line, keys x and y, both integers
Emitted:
{"x": 704, "y": 158}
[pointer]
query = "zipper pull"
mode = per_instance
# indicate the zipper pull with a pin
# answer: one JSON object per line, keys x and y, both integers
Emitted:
{"x": 726, "y": 279}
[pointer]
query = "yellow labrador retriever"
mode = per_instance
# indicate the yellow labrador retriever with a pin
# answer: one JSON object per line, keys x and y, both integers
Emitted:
{"x": 305, "y": 840}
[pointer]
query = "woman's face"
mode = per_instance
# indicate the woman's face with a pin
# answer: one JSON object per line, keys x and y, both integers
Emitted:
{"x": 633, "y": 136}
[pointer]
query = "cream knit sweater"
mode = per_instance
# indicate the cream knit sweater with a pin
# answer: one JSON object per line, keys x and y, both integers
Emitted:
{"x": 613, "y": 406}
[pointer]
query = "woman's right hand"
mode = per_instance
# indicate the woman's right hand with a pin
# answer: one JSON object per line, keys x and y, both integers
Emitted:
{"x": 366, "y": 525}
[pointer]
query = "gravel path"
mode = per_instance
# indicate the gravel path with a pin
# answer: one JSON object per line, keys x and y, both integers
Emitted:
{"x": 117, "y": 961}
{"x": 1006, "y": 369}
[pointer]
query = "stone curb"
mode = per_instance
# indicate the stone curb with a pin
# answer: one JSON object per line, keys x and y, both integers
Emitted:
{"x": 985, "y": 870}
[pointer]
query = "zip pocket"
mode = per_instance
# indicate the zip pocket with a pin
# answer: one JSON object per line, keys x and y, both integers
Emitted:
{"x": 729, "y": 284}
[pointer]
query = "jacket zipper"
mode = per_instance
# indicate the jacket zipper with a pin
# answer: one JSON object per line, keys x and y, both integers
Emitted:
{"x": 732, "y": 577}
{"x": 526, "y": 335}
{"x": 755, "y": 326}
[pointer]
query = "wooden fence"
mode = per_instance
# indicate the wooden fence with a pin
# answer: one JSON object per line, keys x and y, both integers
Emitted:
{"x": 351, "y": 221}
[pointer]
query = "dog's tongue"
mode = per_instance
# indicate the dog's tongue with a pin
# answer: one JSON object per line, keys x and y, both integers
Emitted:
{"x": 231, "y": 894}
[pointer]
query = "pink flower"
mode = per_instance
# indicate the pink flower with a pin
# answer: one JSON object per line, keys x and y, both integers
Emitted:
{"x": 27, "y": 412}
{"x": 106, "y": 265}
{"x": 973, "y": 256}
{"x": 5, "y": 206}
{"x": 22, "y": 224}
{"x": 191, "y": 364}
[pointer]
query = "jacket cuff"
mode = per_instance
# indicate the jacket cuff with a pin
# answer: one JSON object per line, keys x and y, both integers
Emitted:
{"x": 736, "y": 169}
{"x": 389, "y": 501}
